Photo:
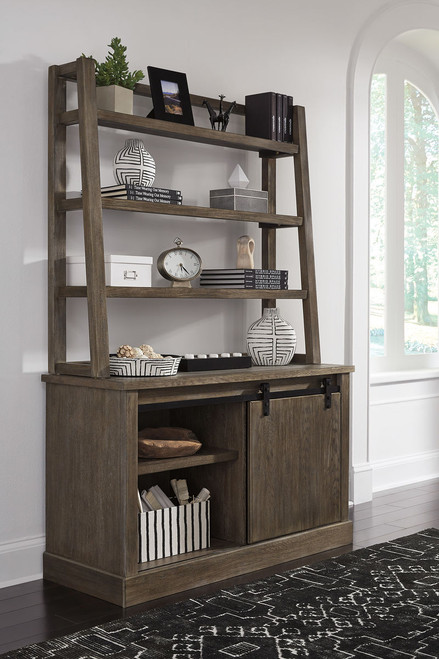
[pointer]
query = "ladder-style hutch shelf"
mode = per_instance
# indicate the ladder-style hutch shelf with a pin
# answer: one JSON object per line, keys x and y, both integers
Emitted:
{"x": 275, "y": 440}
{"x": 88, "y": 117}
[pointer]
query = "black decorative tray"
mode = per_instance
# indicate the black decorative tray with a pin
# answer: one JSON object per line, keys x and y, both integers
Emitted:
{"x": 213, "y": 363}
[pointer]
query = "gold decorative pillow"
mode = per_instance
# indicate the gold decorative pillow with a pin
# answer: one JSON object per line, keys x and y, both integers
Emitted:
{"x": 156, "y": 443}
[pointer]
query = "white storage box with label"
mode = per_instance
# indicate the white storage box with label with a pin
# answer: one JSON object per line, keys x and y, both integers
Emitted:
{"x": 173, "y": 531}
{"x": 120, "y": 270}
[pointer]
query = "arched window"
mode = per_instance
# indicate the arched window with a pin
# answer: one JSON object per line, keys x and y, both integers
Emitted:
{"x": 404, "y": 187}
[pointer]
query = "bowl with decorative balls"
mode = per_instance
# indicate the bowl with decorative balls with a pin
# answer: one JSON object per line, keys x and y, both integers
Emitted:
{"x": 142, "y": 361}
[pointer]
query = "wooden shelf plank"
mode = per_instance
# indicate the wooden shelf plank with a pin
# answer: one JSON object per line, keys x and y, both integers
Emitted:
{"x": 205, "y": 382}
{"x": 203, "y": 457}
{"x": 74, "y": 368}
{"x": 176, "y": 131}
{"x": 193, "y": 293}
{"x": 157, "y": 208}
{"x": 186, "y": 211}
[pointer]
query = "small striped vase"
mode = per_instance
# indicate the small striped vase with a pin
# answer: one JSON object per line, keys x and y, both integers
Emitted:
{"x": 271, "y": 340}
{"x": 133, "y": 165}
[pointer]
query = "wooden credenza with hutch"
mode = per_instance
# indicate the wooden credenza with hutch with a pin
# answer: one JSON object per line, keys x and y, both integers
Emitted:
{"x": 275, "y": 452}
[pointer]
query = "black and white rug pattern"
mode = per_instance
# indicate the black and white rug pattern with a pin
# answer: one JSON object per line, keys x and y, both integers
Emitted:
{"x": 381, "y": 602}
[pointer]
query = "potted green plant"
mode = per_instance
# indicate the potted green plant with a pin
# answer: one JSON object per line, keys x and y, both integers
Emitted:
{"x": 114, "y": 82}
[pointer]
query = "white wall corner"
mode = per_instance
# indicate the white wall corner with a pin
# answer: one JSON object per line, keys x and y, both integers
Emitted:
{"x": 361, "y": 483}
{"x": 21, "y": 561}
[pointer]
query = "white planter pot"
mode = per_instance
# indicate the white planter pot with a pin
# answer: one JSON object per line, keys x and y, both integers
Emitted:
{"x": 115, "y": 98}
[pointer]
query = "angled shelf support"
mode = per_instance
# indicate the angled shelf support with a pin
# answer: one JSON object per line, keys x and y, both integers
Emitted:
{"x": 91, "y": 205}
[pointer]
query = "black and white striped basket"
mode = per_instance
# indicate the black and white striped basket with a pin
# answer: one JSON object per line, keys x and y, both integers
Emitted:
{"x": 173, "y": 531}
{"x": 143, "y": 367}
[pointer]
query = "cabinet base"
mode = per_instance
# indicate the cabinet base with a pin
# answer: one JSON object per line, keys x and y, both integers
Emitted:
{"x": 155, "y": 582}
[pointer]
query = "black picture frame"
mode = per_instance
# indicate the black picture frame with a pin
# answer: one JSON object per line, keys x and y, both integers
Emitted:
{"x": 170, "y": 96}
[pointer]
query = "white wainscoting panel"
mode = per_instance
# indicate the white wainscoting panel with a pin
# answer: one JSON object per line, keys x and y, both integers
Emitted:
{"x": 404, "y": 432}
{"x": 21, "y": 561}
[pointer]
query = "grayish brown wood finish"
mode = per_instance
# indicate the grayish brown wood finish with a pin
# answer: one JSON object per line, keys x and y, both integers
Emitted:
{"x": 73, "y": 368}
{"x": 208, "y": 383}
{"x": 294, "y": 466}
{"x": 269, "y": 233}
{"x": 209, "y": 568}
{"x": 91, "y": 203}
{"x": 212, "y": 455}
{"x": 343, "y": 382}
{"x": 196, "y": 293}
{"x": 272, "y": 479}
{"x": 81, "y": 577}
{"x": 184, "y": 132}
{"x": 216, "y": 566}
{"x": 56, "y": 221}
{"x": 130, "y": 479}
{"x": 291, "y": 457}
{"x": 92, "y": 478}
{"x": 221, "y": 425}
{"x": 306, "y": 245}
{"x": 278, "y": 221}
{"x": 92, "y": 214}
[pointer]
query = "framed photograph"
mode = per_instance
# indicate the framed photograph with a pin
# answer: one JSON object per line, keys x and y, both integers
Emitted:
{"x": 170, "y": 96}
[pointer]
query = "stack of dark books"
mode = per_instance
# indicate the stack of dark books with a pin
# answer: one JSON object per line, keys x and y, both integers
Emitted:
{"x": 143, "y": 193}
{"x": 269, "y": 115}
{"x": 245, "y": 278}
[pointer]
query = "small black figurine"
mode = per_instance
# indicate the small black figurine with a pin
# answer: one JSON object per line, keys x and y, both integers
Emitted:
{"x": 222, "y": 118}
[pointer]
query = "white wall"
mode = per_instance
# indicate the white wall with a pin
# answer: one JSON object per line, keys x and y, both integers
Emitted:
{"x": 293, "y": 46}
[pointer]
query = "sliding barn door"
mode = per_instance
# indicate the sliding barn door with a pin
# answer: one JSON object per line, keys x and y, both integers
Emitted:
{"x": 294, "y": 466}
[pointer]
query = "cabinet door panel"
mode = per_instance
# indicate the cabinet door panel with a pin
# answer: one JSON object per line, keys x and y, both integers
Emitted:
{"x": 294, "y": 466}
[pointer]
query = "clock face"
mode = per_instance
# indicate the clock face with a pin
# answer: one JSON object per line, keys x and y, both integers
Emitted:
{"x": 179, "y": 264}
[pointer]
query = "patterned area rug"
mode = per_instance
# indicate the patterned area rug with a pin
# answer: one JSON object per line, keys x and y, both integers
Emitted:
{"x": 380, "y": 602}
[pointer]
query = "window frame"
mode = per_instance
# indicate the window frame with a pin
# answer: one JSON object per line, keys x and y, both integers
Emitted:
{"x": 398, "y": 69}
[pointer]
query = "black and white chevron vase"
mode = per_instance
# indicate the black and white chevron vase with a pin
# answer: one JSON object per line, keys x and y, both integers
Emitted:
{"x": 271, "y": 340}
{"x": 134, "y": 165}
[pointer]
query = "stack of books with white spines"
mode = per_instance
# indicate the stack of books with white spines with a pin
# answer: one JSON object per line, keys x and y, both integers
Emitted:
{"x": 156, "y": 499}
{"x": 136, "y": 192}
{"x": 244, "y": 278}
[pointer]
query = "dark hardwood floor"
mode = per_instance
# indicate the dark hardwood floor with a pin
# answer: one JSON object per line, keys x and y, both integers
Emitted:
{"x": 39, "y": 610}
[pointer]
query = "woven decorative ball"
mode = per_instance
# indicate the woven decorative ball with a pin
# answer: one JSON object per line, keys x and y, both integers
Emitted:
{"x": 125, "y": 351}
{"x": 148, "y": 351}
{"x": 133, "y": 165}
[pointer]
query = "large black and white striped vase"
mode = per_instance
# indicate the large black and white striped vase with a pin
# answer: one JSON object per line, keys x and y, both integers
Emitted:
{"x": 271, "y": 340}
{"x": 133, "y": 165}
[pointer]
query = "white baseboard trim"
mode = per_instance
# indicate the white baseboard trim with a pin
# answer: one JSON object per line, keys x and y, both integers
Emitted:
{"x": 405, "y": 470}
{"x": 21, "y": 561}
{"x": 361, "y": 483}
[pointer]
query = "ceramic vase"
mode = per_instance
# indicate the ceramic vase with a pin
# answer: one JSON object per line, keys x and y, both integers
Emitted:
{"x": 133, "y": 165}
{"x": 271, "y": 340}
